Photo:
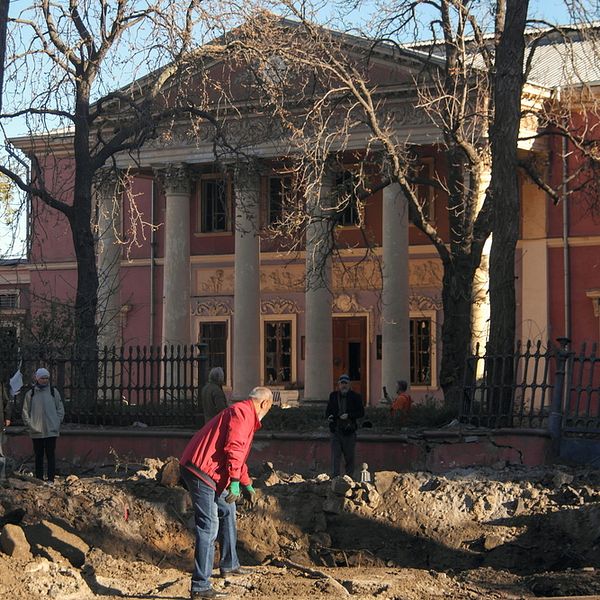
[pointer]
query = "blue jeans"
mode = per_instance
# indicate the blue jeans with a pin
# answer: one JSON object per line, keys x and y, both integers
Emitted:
{"x": 214, "y": 519}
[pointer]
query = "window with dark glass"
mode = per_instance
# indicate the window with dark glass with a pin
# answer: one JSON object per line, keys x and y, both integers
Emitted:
{"x": 279, "y": 192}
{"x": 214, "y": 214}
{"x": 278, "y": 352}
{"x": 347, "y": 200}
{"x": 9, "y": 301}
{"x": 214, "y": 335}
{"x": 420, "y": 351}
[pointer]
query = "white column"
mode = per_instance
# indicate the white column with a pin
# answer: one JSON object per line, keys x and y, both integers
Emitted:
{"x": 176, "y": 278}
{"x": 318, "y": 367}
{"x": 246, "y": 302}
{"x": 108, "y": 198}
{"x": 395, "y": 332}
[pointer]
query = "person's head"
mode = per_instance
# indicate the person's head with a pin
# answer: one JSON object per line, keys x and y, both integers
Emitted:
{"x": 216, "y": 375}
{"x": 344, "y": 383}
{"x": 402, "y": 386}
{"x": 42, "y": 377}
{"x": 263, "y": 400}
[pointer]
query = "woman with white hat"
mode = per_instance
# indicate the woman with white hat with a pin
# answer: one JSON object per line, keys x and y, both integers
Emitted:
{"x": 43, "y": 412}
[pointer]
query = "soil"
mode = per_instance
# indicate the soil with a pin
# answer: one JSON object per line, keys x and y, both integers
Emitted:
{"x": 473, "y": 533}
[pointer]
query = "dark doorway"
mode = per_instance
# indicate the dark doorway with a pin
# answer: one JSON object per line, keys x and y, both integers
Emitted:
{"x": 350, "y": 352}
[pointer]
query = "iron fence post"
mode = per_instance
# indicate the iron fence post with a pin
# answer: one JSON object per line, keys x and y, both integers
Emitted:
{"x": 202, "y": 364}
{"x": 556, "y": 408}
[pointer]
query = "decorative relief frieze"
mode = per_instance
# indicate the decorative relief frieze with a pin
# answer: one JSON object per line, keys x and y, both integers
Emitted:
{"x": 215, "y": 281}
{"x": 175, "y": 179}
{"x": 275, "y": 278}
{"x": 210, "y": 307}
{"x": 279, "y": 306}
{"x": 364, "y": 275}
{"x": 346, "y": 303}
{"x": 422, "y": 303}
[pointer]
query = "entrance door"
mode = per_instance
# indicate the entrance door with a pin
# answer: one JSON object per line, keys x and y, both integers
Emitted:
{"x": 350, "y": 352}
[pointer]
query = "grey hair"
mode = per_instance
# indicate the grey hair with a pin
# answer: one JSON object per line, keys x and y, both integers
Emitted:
{"x": 261, "y": 393}
{"x": 216, "y": 375}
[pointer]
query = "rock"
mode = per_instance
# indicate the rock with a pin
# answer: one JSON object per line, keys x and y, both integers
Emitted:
{"x": 170, "y": 474}
{"x": 342, "y": 486}
{"x": 14, "y": 543}
{"x": 559, "y": 479}
{"x": 492, "y": 541}
{"x": 53, "y": 535}
{"x": 333, "y": 504}
{"x": 13, "y": 517}
{"x": 384, "y": 480}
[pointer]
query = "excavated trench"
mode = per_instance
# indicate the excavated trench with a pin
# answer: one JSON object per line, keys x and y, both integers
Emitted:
{"x": 537, "y": 528}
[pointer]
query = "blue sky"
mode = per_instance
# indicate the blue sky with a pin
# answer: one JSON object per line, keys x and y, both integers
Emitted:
{"x": 550, "y": 10}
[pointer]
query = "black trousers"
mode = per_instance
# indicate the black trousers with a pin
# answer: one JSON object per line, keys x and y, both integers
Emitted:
{"x": 342, "y": 445}
{"x": 46, "y": 446}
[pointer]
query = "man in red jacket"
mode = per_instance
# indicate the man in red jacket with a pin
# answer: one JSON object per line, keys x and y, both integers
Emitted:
{"x": 213, "y": 467}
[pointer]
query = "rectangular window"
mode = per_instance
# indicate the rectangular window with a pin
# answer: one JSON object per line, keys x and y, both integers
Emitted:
{"x": 420, "y": 351}
{"x": 9, "y": 301}
{"x": 347, "y": 200}
{"x": 214, "y": 334}
{"x": 280, "y": 189}
{"x": 278, "y": 352}
{"x": 214, "y": 205}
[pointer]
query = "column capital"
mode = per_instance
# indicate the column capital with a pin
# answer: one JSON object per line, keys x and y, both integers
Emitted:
{"x": 175, "y": 178}
{"x": 107, "y": 182}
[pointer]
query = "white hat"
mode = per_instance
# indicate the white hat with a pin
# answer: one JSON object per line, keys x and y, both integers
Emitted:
{"x": 42, "y": 372}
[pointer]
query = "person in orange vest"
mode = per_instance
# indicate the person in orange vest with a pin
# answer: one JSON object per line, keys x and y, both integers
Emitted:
{"x": 402, "y": 402}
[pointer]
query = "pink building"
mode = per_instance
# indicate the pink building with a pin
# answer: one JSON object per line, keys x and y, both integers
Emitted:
{"x": 203, "y": 268}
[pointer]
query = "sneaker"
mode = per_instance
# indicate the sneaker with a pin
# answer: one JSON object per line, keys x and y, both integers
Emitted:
{"x": 209, "y": 593}
{"x": 238, "y": 571}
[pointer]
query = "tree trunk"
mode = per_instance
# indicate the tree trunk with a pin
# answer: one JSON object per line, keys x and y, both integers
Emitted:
{"x": 85, "y": 365}
{"x": 506, "y": 206}
{"x": 456, "y": 329}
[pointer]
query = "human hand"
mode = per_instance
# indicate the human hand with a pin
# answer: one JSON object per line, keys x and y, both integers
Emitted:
{"x": 344, "y": 416}
{"x": 249, "y": 494}
{"x": 234, "y": 492}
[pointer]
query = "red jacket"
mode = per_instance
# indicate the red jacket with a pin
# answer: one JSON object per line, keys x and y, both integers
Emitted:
{"x": 219, "y": 450}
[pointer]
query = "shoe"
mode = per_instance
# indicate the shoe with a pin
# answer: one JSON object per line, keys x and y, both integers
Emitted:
{"x": 238, "y": 571}
{"x": 209, "y": 593}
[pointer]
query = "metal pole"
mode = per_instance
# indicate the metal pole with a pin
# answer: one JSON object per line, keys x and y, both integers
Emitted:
{"x": 556, "y": 408}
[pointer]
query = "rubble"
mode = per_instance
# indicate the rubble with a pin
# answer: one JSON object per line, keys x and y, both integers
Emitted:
{"x": 406, "y": 535}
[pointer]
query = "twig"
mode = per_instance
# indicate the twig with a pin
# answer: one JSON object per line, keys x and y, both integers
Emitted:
{"x": 315, "y": 573}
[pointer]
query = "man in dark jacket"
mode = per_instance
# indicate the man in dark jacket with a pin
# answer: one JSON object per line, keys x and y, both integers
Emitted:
{"x": 343, "y": 410}
{"x": 213, "y": 466}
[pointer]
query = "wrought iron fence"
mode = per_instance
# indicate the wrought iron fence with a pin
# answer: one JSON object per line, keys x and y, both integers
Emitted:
{"x": 581, "y": 413}
{"x": 536, "y": 387}
{"x": 510, "y": 390}
{"x": 118, "y": 386}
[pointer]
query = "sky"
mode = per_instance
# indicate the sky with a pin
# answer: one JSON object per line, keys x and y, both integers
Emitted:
{"x": 14, "y": 246}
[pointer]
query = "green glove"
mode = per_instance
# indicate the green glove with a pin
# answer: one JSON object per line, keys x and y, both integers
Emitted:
{"x": 234, "y": 491}
{"x": 249, "y": 494}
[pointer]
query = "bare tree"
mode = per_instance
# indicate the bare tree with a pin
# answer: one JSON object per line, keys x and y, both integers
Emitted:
{"x": 468, "y": 80}
{"x": 67, "y": 57}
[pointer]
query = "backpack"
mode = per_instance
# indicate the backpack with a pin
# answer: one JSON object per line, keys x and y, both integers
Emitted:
{"x": 52, "y": 390}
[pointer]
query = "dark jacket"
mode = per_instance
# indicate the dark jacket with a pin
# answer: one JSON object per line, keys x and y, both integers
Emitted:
{"x": 354, "y": 408}
{"x": 213, "y": 400}
{"x": 6, "y": 405}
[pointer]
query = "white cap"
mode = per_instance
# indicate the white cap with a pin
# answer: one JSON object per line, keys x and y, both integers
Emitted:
{"x": 42, "y": 372}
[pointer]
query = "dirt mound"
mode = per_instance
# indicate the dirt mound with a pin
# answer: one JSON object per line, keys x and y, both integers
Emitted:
{"x": 469, "y": 533}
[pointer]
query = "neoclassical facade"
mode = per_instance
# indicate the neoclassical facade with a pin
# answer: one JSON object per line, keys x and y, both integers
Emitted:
{"x": 184, "y": 257}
